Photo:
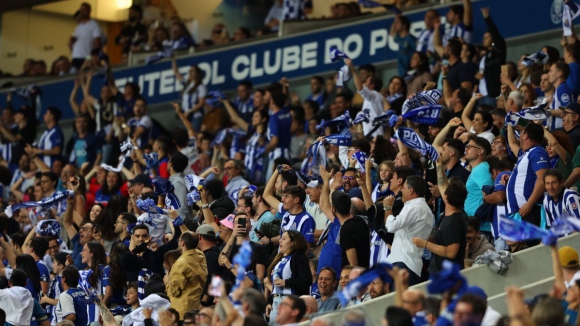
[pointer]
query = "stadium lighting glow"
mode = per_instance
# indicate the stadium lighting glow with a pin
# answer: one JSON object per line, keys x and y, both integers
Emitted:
{"x": 124, "y": 4}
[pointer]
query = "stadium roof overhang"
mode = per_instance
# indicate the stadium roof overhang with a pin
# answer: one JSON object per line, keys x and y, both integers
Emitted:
{"x": 7, "y": 5}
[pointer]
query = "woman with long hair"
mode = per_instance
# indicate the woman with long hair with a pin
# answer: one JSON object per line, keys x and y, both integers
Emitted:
{"x": 112, "y": 186}
{"x": 169, "y": 259}
{"x": 419, "y": 75}
{"x": 114, "y": 277}
{"x": 106, "y": 220}
{"x": 193, "y": 94}
{"x": 383, "y": 187}
{"x": 26, "y": 262}
{"x": 93, "y": 212}
{"x": 560, "y": 150}
{"x": 529, "y": 94}
{"x": 482, "y": 123}
{"x": 289, "y": 273}
{"x": 395, "y": 96}
{"x": 95, "y": 183}
{"x": 94, "y": 256}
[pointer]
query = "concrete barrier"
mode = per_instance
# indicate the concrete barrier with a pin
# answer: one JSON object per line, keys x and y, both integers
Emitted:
{"x": 531, "y": 268}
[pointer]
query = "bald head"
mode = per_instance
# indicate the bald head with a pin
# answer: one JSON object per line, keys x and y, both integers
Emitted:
{"x": 355, "y": 272}
{"x": 322, "y": 321}
{"x": 413, "y": 301}
{"x": 311, "y": 306}
{"x": 357, "y": 206}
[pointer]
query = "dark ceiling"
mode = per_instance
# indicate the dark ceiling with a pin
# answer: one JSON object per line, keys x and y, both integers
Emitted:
{"x": 7, "y": 5}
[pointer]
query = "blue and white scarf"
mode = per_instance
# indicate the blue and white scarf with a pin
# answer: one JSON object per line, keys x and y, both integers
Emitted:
{"x": 164, "y": 187}
{"x": 144, "y": 275}
{"x": 317, "y": 152}
{"x": 152, "y": 160}
{"x": 356, "y": 286}
{"x": 344, "y": 138}
{"x": 570, "y": 11}
{"x": 515, "y": 230}
{"x": 342, "y": 122}
{"x": 243, "y": 259}
{"x": 430, "y": 97}
{"x": 45, "y": 203}
{"x": 235, "y": 195}
{"x": 427, "y": 114}
{"x": 127, "y": 150}
{"x": 361, "y": 158}
{"x": 48, "y": 228}
{"x": 538, "y": 57}
{"x": 362, "y": 116}
{"x": 410, "y": 139}
{"x": 194, "y": 184}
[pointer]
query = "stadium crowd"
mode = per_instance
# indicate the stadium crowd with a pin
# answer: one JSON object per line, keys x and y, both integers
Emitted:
{"x": 269, "y": 207}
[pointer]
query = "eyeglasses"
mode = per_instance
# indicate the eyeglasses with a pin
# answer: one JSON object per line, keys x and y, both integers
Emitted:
{"x": 471, "y": 146}
{"x": 568, "y": 112}
{"x": 285, "y": 304}
{"x": 348, "y": 178}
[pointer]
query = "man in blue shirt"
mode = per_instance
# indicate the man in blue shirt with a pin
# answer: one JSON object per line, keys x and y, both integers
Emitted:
{"x": 52, "y": 140}
{"x": 86, "y": 148}
{"x": 278, "y": 134}
{"x": 525, "y": 188}
{"x": 476, "y": 151}
{"x": 244, "y": 103}
{"x": 571, "y": 57}
{"x": 316, "y": 87}
{"x": 405, "y": 41}
{"x": 557, "y": 76}
{"x": 72, "y": 303}
{"x": 294, "y": 217}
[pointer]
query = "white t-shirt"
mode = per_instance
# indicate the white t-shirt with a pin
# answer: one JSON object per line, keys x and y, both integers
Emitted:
{"x": 486, "y": 134}
{"x": 373, "y": 101}
{"x": 85, "y": 34}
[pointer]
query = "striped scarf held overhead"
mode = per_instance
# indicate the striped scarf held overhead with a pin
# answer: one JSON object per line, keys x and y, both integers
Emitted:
{"x": 46, "y": 202}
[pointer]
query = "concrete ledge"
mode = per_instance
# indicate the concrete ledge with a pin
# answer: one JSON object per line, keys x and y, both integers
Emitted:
{"x": 531, "y": 268}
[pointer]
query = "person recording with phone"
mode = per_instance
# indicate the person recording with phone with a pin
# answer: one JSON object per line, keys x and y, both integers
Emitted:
{"x": 241, "y": 233}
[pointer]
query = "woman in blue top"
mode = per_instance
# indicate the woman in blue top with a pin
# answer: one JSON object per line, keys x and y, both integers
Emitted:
{"x": 112, "y": 186}
{"x": 256, "y": 141}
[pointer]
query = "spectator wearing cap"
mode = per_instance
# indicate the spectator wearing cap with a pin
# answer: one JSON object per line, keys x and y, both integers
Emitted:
{"x": 52, "y": 140}
{"x": 134, "y": 33}
{"x": 121, "y": 224}
{"x": 568, "y": 295}
{"x": 207, "y": 243}
{"x": 234, "y": 172}
{"x": 569, "y": 262}
{"x": 187, "y": 276}
{"x": 177, "y": 164}
{"x": 571, "y": 122}
{"x": 137, "y": 184}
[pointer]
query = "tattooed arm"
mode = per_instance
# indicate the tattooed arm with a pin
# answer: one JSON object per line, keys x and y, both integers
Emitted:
{"x": 441, "y": 177}
{"x": 106, "y": 315}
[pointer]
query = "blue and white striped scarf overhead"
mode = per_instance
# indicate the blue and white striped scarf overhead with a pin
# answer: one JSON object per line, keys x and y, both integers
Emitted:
{"x": 336, "y": 55}
{"x": 48, "y": 227}
{"x": 235, "y": 195}
{"x": 342, "y": 122}
{"x": 86, "y": 286}
{"x": 164, "y": 187}
{"x": 194, "y": 184}
{"x": 410, "y": 139}
{"x": 427, "y": 114}
{"x": 214, "y": 98}
{"x": 344, "y": 138}
{"x": 152, "y": 160}
{"x": 538, "y": 57}
{"x": 361, "y": 158}
{"x": 45, "y": 202}
{"x": 149, "y": 206}
{"x": 127, "y": 150}
{"x": 570, "y": 11}
{"x": 317, "y": 152}
{"x": 362, "y": 116}
{"x": 356, "y": 286}
{"x": 419, "y": 99}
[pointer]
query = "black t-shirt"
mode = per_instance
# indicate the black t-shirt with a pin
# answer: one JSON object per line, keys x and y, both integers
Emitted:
{"x": 28, "y": 135}
{"x": 354, "y": 233}
{"x": 451, "y": 229}
{"x": 460, "y": 72}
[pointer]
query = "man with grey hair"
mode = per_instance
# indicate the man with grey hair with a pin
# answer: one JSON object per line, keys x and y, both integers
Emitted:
{"x": 514, "y": 102}
{"x": 234, "y": 170}
{"x": 253, "y": 302}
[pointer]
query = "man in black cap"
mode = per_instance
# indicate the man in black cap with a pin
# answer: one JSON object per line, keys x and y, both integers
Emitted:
{"x": 135, "y": 33}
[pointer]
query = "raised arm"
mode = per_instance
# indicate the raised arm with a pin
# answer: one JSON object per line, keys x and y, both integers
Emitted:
{"x": 186, "y": 123}
{"x": 512, "y": 141}
{"x": 175, "y": 68}
{"x": 467, "y": 111}
{"x": 467, "y": 13}
{"x": 437, "y": 39}
{"x": 368, "y": 178}
{"x": 15, "y": 189}
{"x": 73, "y": 96}
{"x": 557, "y": 147}
{"x": 367, "y": 198}
{"x": 269, "y": 191}
{"x": 10, "y": 255}
{"x": 234, "y": 115}
{"x": 357, "y": 82}
{"x": 497, "y": 39}
{"x": 68, "y": 219}
{"x": 207, "y": 214}
{"x": 559, "y": 282}
{"x": 439, "y": 141}
{"x": 325, "y": 192}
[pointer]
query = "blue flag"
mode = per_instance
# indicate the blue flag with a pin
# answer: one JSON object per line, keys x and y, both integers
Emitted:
{"x": 515, "y": 230}
{"x": 336, "y": 55}
{"x": 356, "y": 286}
{"x": 538, "y": 57}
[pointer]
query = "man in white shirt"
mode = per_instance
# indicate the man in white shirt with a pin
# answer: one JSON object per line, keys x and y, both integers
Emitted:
{"x": 415, "y": 220}
{"x": 373, "y": 100}
{"x": 86, "y": 37}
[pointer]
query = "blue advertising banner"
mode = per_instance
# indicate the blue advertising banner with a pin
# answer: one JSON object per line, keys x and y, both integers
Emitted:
{"x": 306, "y": 54}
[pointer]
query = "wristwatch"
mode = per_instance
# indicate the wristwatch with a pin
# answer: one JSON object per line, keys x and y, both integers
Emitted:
{"x": 388, "y": 208}
{"x": 204, "y": 206}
